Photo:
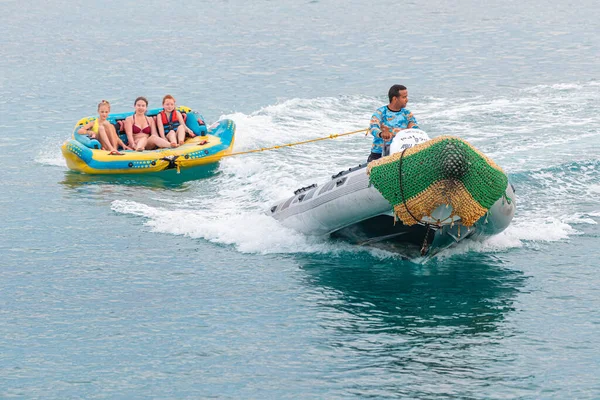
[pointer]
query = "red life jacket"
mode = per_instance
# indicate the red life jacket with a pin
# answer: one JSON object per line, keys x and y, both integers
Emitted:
{"x": 169, "y": 125}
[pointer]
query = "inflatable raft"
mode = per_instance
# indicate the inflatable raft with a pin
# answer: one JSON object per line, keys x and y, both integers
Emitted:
{"x": 417, "y": 201}
{"x": 207, "y": 148}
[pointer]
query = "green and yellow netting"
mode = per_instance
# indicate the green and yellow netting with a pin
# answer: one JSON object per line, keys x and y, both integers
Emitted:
{"x": 443, "y": 171}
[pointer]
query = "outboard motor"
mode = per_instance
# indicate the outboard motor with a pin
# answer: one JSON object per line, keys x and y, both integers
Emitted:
{"x": 406, "y": 139}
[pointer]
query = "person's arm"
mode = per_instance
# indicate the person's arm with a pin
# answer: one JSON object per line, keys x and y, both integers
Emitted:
{"x": 153, "y": 131}
{"x": 375, "y": 127}
{"x": 412, "y": 121}
{"x": 378, "y": 129}
{"x": 159, "y": 126}
{"x": 85, "y": 129}
{"x": 129, "y": 132}
{"x": 182, "y": 123}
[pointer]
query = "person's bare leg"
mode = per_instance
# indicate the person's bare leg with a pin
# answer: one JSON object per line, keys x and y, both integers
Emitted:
{"x": 172, "y": 138}
{"x": 105, "y": 140}
{"x": 141, "y": 143}
{"x": 115, "y": 139}
{"x": 180, "y": 135}
{"x": 159, "y": 142}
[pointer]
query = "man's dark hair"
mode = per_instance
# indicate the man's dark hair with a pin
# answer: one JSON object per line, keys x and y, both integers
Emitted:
{"x": 395, "y": 91}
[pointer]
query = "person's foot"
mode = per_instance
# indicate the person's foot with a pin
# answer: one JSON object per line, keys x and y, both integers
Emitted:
{"x": 115, "y": 153}
{"x": 173, "y": 144}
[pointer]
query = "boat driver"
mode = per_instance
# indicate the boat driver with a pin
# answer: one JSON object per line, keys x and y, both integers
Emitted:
{"x": 388, "y": 120}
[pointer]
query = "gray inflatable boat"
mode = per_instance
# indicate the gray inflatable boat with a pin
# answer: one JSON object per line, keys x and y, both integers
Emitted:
{"x": 351, "y": 207}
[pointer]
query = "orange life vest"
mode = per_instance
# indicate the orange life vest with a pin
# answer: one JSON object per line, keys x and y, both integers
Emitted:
{"x": 171, "y": 125}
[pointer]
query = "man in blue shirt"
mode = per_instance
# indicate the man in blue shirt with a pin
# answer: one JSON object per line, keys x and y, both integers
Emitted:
{"x": 388, "y": 120}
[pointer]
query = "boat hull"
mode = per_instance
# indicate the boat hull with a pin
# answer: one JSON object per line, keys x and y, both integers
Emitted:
{"x": 349, "y": 207}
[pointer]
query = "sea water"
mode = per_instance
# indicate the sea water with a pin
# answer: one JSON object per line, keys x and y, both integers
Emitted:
{"x": 120, "y": 287}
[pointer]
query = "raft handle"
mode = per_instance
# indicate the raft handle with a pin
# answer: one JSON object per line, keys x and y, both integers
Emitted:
{"x": 172, "y": 162}
{"x": 340, "y": 182}
{"x": 305, "y": 188}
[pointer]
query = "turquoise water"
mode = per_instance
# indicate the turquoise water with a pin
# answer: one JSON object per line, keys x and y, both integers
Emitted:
{"x": 137, "y": 288}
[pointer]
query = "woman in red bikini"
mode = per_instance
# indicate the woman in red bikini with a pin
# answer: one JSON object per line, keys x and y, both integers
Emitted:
{"x": 141, "y": 130}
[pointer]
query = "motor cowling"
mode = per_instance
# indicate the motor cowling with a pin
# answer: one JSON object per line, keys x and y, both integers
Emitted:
{"x": 406, "y": 139}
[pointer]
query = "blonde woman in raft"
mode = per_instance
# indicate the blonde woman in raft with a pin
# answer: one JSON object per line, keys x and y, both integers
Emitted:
{"x": 170, "y": 123}
{"x": 104, "y": 131}
{"x": 141, "y": 129}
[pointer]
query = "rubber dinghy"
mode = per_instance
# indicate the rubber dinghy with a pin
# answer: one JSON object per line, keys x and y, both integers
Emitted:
{"x": 425, "y": 196}
{"x": 205, "y": 150}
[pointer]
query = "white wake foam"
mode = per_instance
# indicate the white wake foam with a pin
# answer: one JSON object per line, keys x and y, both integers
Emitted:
{"x": 248, "y": 232}
{"x": 51, "y": 157}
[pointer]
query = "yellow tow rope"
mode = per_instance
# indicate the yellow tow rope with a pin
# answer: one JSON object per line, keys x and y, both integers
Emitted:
{"x": 332, "y": 136}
